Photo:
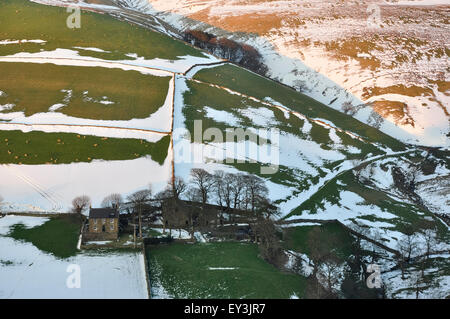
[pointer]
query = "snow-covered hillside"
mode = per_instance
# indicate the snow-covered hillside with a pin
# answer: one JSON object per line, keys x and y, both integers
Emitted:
{"x": 372, "y": 59}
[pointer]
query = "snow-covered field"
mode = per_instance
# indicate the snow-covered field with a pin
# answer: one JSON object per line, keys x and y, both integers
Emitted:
{"x": 27, "y": 272}
{"x": 52, "y": 187}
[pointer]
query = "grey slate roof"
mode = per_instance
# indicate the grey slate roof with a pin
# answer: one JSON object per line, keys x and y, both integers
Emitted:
{"x": 103, "y": 213}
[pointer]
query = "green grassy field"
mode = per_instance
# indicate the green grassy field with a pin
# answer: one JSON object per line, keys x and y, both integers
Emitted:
{"x": 17, "y": 147}
{"x": 296, "y": 238}
{"x": 246, "y": 82}
{"x": 34, "y": 88}
{"x": 21, "y": 19}
{"x": 58, "y": 236}
{"x": 184, "y": 272}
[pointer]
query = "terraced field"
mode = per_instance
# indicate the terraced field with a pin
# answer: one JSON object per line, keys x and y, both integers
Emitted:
{"x": 83, "y": 92}
{"x": 36, "y": 147}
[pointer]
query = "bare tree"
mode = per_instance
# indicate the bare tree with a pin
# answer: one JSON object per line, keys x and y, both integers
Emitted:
{"x": 112, "y": 201}
{"x": 237, "y": 189}
{"x": 223, "y": 189}
{"x": 325, "y": 263}
{"x": 430, "y": 239}
{"x": 174, "y": 189}
{"x": 418, "y": 282}
{"x": 407, "y": 246}
{"x": 265, "y": 208}
{"x": 170, "y": 196}
{"x": 203, "y": 181}
{"x": 164, "y": 194}
{"x": 81, "y": 204}
{"x": 376, "y": 236}
{"x": 219, "y": 187}
{"x": 320, "y": 247}
{"x": 269, "y": 244}
{"x": 178, "y": 186}
{"x": 194, "y": 196}
{"x": 228, "y": 189}
{"x": 140, "y": 196}
{"x": 255, "y": 190}
{"x": 138, "y": 199}
{"x": 331, "y": 273}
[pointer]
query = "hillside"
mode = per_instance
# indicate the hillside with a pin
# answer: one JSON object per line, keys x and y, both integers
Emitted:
{"x": 114, "y": 107}
{"x": 383, "y": 62}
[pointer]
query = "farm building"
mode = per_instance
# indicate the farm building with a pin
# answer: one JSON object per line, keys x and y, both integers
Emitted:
{"x": 103, "y": 224}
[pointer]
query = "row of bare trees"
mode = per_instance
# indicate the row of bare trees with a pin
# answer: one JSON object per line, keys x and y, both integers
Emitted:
{"x": 240, "y": 53}
{"x": 232, "y": 192}
{"x": 414, "y": 250}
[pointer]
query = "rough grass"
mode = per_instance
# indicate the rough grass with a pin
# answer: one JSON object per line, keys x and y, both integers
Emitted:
{"x": 183, "y": 271}
{"x": 22, "y": 19}
{"x": 58, "y": 236}
{"x": 251, "y": 84}
{"x": 342, "y": 49}
{"x": 412, "y": 91}
{"x": 34, "y": 88}
{"x": 35, "y": 147}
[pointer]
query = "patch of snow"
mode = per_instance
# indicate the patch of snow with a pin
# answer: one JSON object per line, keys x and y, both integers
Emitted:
{"x": 56, "y": 107}
{"x": 51, "y": 188}
{"x": 6, "y": 42}
{"x": 35, "y": 274}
